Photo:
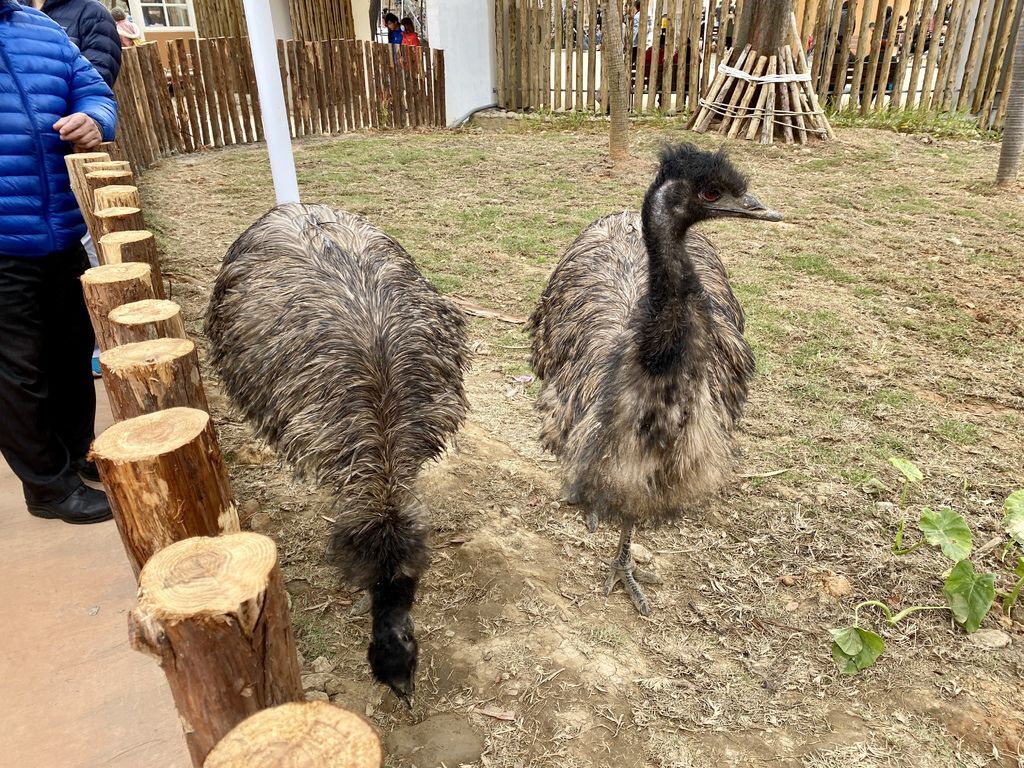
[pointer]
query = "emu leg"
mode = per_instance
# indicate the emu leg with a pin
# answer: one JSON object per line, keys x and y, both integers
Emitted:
{"x": 570, "y": 497}
{"x": 623, "y": 569}
{"x": 362, "y": 605}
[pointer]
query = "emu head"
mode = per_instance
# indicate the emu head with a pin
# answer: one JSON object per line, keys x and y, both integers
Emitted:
{"x": 393, "y": 655}
{"x": 693, "y": 185}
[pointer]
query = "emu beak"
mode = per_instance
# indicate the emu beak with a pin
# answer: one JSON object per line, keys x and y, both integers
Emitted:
{"x": 746, "y": 207}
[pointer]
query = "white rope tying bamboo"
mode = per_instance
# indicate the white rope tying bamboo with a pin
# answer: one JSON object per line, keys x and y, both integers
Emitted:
{"x": 785, "y": 77}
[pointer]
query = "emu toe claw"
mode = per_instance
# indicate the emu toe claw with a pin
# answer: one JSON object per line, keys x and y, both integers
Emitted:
{"x": 631, "y": 577}
{"x": 362, "y": 605}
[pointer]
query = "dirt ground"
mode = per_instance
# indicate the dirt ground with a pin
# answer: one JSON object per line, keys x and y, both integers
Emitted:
{"x": 885, "y": 313}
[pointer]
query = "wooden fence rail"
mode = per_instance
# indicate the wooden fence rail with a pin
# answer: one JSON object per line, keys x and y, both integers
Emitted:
{"x": 207, "y": 95}
{"x": 864, "y": 55}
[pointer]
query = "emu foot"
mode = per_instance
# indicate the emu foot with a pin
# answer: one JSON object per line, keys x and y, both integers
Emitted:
{"x": 631, "y": 578}
{"x": 362, "y": 605}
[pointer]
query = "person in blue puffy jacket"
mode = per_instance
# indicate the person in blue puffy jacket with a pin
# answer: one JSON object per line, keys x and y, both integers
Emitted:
{"x": 51, "y": 101}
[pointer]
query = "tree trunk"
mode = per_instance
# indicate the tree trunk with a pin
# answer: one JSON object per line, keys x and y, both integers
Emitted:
{"x": 1013, "y": 128}
{"x": 152, "y": 376}
{"x": 764, "y": 25}
{"x": 311, "y": 735}
{"x": 147, "y": 320}
{"x": 137, "y": 245}
{"x": 108, "y": 287}
{"x": 166, "y": 480}
{"x": 119, "y": 220}
{"x": 214, "y": 613}
{"x": 618, "y": 85}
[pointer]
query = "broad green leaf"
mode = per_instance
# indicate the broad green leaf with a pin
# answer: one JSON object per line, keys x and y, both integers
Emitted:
{"x": 908, "y": 469}
{"x": 1013, "y": 516}
{"x": 1019, "y": 570}
{"x": 969, "y": 595}
{"x": 947, "y": 530}
{"x": 855, "y": 649}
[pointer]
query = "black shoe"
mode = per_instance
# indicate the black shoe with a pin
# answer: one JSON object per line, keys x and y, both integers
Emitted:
{"x": 86, "y": 470}
{"x": 82, "y": 506}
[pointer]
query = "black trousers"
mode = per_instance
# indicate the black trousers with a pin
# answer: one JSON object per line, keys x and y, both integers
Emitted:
{"x": 47, "y": 395}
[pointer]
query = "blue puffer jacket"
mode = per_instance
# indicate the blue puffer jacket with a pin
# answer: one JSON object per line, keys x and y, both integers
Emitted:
{"x": 43, "y": 77}
{"x": 91, "y": 27}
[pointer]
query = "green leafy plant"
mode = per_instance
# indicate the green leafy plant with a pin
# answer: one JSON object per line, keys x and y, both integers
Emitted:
{"x": 969, "y": 595}
{"x": 1013, "y": 524}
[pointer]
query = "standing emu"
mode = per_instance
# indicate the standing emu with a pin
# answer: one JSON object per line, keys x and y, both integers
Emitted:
{"x": 639, "y": 341}
{"x": 350, "y": 364}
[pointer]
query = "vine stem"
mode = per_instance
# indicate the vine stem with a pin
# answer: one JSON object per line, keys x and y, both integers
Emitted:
{"x": 890, "y": 618}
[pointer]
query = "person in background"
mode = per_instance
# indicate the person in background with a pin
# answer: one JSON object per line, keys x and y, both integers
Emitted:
{"x": 91, "y": 27}
{"x": 53, "y": 100}
{"x": 409, "y": 36}
{"x": 394, "y": 29}
{"x": 126, "y": 29}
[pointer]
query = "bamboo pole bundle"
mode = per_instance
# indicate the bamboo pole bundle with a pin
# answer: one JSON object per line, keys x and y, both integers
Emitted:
{"x": 310, "y": 735}
{"x": 133, "y": 245}
{"x": 146, "y": 320}
{"x": 214, "y": 613}
{"x": 108, "y": 287}
{"x": 166, "y": 480}
{"x": 150, "y": 376}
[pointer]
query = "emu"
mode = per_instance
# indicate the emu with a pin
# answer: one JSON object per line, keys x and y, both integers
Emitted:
{"x": 638, "y": 340}
{"x": 347, "y": 361}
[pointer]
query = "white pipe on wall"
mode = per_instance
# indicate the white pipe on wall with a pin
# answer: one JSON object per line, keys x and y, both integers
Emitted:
{"x": 275, "y": 115}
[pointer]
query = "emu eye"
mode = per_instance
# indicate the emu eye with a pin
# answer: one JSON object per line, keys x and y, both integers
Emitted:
{"x": 710, "y": 195}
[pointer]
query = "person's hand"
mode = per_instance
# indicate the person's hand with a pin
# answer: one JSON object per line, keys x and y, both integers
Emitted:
{"x": 79, "y": 129}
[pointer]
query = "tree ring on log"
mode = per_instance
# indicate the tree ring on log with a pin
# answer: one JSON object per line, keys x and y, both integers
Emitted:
{"x": 310, "y": 735}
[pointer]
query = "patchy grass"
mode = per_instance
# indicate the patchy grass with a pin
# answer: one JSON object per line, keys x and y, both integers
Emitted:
{"x": 885, "y": 316}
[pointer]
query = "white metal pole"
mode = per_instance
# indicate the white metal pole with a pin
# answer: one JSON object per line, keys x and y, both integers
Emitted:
{"x": 275, "y": 116}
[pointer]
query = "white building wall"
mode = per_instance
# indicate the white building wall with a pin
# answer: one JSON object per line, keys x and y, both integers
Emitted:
{"x": 465, "y": 30}
{"x": 361, "y": 17}
{"x": 281, "y": 20}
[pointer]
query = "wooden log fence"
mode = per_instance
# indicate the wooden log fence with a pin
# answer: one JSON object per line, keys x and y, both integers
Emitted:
{"x": 214, "y": 613}
{"x": 206, "y": 96}
{"x": 872, "y": 55}
{"x": 166, "y": 480}
{"x": 310, "y": 735}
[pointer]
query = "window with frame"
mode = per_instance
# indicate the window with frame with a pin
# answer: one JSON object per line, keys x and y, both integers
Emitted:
{"x": 165, "y": 14}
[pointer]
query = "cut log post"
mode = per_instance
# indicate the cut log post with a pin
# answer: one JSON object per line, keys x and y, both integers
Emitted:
{"x": 119, "y": 220}
{"x": 107, "y": 165}
{"x": 310, "y": 735}
{"x": 108, "y": 287}
{"x": 166, "y": 480}
{"x": 214, "y": 613}
{"x": 76, "y": 163}
{"x": 147, "y": 320}
{"x": 117, "y": 196}
{"x": 97, "y": 180}
{"x": 133, "y": 245}
{"x": 152, "y": 376}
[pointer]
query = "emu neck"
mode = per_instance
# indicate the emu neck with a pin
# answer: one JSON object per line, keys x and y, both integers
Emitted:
{"x": 668, "y": 317}
{"x": 392, "y": 603}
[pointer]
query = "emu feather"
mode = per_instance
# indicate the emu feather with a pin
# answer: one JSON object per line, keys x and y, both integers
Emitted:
{"x": 638, "y": 338}
{"x": 347, "y": 361}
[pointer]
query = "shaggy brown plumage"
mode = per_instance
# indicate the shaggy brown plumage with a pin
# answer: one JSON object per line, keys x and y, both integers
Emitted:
{"x": 350, "y": 364}
{"x": 638, "y": 339}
